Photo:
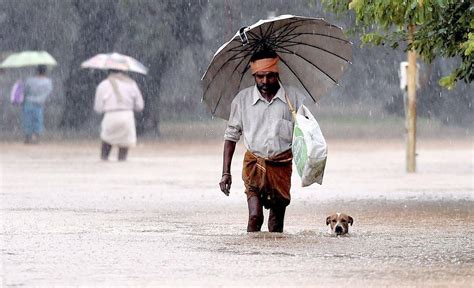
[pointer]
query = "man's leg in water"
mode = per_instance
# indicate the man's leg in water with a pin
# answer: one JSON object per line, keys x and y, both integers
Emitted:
{"x": 105, "y": 151}
{"x": 276, "y": 219}
{"x": 255, "y": 214}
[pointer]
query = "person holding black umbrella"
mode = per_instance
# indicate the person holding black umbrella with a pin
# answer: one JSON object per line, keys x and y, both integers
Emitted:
{"x": 306, "y": 52}
{"x": 261, "y": 114}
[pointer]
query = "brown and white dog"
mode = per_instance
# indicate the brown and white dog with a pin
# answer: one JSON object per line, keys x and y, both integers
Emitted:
{"x": 339, "y": 223}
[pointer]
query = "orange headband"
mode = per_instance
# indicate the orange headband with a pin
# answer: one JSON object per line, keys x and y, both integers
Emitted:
{"x": 265, "y": 65}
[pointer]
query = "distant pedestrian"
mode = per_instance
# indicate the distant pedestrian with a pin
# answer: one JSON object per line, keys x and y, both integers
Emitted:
{"x": 36, "y": 90}
{"x": 118, "y": 97}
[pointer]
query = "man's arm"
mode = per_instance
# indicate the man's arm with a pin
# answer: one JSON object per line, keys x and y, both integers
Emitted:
{"x": 226, "y": 180}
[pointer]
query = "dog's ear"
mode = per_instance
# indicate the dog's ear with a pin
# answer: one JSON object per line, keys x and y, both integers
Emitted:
{"x": 351, "y": 220}
{"x": 327, "y": 220}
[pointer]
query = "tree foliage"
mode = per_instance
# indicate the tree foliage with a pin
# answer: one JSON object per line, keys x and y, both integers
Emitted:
{"x": 450, "y": 34}
{"x": 444, "y": 28}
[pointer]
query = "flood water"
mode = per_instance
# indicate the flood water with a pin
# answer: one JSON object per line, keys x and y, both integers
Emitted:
{"x": 68, "y": 219}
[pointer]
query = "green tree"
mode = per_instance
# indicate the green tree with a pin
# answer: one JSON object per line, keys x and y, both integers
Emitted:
{"x": 99, "y": 29}
{"x": 156, "y": 32}
{"x": 444, "y": 28}
{"x": 449, "y": 33}
{"x": 436, "y": 28}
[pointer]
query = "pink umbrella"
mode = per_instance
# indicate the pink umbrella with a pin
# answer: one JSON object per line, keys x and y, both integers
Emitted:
{"x": 115, "y": 61}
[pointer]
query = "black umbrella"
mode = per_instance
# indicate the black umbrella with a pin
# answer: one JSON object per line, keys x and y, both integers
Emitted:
{"x": 313, "y": 54}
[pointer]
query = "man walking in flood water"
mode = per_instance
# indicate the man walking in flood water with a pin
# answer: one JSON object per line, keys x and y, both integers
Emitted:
{"x": 117, "y": 97}
{"x": 261, "y": 114}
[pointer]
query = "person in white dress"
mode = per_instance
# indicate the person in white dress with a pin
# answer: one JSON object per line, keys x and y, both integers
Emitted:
{"x": 117, "y": 97}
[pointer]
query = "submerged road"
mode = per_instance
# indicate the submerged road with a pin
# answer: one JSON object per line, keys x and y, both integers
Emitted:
{"x": 68, "y": 219}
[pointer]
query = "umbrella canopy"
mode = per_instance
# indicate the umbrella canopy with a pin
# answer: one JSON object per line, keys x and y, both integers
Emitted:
{"x": 115, "y": 61}
{"x": 28, "y": 58}
{"x": 313, "y": 56}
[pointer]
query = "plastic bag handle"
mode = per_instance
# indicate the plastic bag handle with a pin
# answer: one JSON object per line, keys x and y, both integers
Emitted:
{"x": 290, "y": 106}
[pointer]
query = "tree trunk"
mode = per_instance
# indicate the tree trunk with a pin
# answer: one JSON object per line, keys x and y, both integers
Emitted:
{"x": 411, "y": 109}
{"x": 98, "y": 32}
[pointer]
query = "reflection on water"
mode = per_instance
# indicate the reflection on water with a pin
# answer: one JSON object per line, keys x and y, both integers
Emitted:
{"x": 431, "y": 243}
{"x": 146, "y": 223}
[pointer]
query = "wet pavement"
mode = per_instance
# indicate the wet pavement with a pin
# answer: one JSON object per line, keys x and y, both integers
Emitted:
{"x": 68, "y": 219}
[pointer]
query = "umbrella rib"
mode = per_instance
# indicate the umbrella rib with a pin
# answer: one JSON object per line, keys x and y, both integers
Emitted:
{"x": 314, "y": 23}
{"x": 253, "y": 43}
{"x": 220, "y": 97}
{"x": 314, "y": 65}
{"x": 241, "y": 77}
{"x": 249, "y": 48}
{"x": 234, "y": 57}
{"x": 301, "y": 82}
{"x": 312, "y": 46}
{"x": 288, "y": 29}
{"x": 293, "y": 36}
{"x": 269, "y": 30}
{"x": 240, "y": 81}
{"x": 282, "y": 42}
{"x": 247, "y": 51}
{"x": 282, "y": 39}
{"x": 257, "y": 40}
{"x": 222, "y": 66}
{"x": 288, "y": 36}
{"x": 279, "y": 38}
{"x": 268, "y": 36}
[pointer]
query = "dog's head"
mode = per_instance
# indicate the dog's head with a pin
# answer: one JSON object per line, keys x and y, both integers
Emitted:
{"x": 339, "y": 223}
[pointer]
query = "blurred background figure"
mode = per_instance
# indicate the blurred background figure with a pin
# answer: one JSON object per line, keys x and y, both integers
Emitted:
{"x": 36, "y": 90}
{"x": 117, "y": 97}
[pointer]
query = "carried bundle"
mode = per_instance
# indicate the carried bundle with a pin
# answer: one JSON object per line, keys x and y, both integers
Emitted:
{"x": 309, "y": 146}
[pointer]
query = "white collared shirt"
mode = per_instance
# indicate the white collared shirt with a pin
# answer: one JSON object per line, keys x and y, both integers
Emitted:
{"x": 267, "y": 127}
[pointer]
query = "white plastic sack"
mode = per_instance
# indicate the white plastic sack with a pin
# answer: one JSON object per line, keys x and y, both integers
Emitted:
{"x": 309, "y": 148}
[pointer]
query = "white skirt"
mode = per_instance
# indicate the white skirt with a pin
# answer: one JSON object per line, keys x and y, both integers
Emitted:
{"x": 118, "y": 128}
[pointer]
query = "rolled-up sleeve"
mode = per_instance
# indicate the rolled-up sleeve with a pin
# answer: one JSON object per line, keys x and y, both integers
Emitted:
{"x": 234, "y": 125}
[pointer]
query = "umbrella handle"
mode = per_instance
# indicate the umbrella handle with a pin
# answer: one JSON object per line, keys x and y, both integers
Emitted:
{"x": 243, "y": 36}
{"x": 290, "y": 106}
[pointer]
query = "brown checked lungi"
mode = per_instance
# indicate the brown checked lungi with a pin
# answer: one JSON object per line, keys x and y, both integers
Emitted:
{"x": 268, "y": 179}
